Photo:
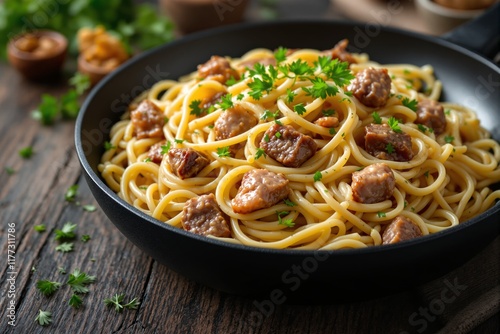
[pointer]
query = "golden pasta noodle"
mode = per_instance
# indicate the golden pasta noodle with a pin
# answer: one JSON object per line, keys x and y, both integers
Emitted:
{"x": 445, "y": 180}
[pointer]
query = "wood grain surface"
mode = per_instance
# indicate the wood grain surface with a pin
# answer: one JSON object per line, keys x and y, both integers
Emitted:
{"x": 34, "y": 194}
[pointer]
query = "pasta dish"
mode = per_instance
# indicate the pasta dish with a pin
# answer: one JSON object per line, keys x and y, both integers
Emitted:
{"x": 303, "y": 149}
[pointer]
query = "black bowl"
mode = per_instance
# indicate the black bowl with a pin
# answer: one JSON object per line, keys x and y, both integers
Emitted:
{"x": 290, "y": 275}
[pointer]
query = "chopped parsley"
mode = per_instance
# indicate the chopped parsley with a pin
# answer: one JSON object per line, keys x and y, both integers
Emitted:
{"x": 280, "y": 54}
{"x": 268, "y": 114}
{"x": 65, "y": 247}
{"x": 422, "y": 128}
{"x": 78, "y": 281}
{"x": 266, "y": 138}
{"x": 71, "y": 193}
{"x": 40, "y": 228}
{"x": 165, "y": 148}
{"x": 376, "y": 118}
{"x": 328, "y": 112}
{"x": 277, "y": 134}
{"x": 449, "y": 139}
{"x": 426, "y": 174}
{"x": 117, "y": 302}
{"x": 260, "y": 152}
{"x": 223, "y": 151}
{"x": 447, "y": 111}
{"x": 389, "y": 148}
{"x": 332, "y": 131}
{"x": 231, "y": 81}
{"x": 317, "y": 176}
{"x": 66, "y": 233}
{"x": 108, "y": 146}
{"x": 179, "y": 141}
{"x": 299, "y": 109}
{"x": 286, "y": 222}
{"x": 226, "y": 102}
{"x": 195, "y": 108}
{"x": 381, "y": 214}
{"x": 47, "y": 287}
{"x": 288, "y": 202}
{"x": 85, "y": 238}
{"x": 89, "y": 208}
{"x": 411, "y": 104}
{"x": 26, "y": 152}
{"x": 75, "y": 301}
{"x": 394, "y": 124}
{"x": 320, "y": 89}
{"x": 10, "y": 170}
{"x": 44, "y": 318}
{"x": 290, "y": 95}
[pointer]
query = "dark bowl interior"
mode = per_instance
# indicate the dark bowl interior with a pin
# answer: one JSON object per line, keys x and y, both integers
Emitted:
{"x": 298, "y": 276}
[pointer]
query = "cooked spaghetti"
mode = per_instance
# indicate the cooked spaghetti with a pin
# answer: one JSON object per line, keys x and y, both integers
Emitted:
{"x": 303, "y": 149}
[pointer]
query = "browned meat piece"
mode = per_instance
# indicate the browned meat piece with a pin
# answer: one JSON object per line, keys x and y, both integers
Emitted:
{"x": 339, "y": 52}
{"x": 383, "y": 143}
{"x": 259, "y": 189}
{"x": 219, "y": 69}
{"x": 287, "y": 145}
{"x": 400, "y": 229}
{"x": 373, "y": 184}
{"x": 202, "y": 215}
{"x": 371, "y": 87}
{"x": 148, "y": 120}
{"x": 233, "y": 122}
{"x": 327, "y": 122}
{"x": 431, "y": 114}
{"x": 186, "y": 162}
{"x": 156, "y": 152}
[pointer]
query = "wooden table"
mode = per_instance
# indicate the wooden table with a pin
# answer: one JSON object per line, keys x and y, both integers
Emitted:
{"x": 34, "y": 194}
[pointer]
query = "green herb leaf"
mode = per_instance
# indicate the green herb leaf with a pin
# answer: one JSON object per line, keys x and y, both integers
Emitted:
{"x": 117, "y": 302}
{"x": 412, "y": 104}
{"x": 71, "y": 193}
{"x": 108, "y": 146}
{"x": 376, "y": 118}
{"x": 320, "y": 89}
{"x": 280, "y": 54}
{"x": 47, "y": 287}
{"x": 226, "y": 102}
{"x": 47, "y": 110}
{"x": 449, "y": 139}
{"x": 290, "y": 95}
{"x": 66, "y": 233}
{"x": 69, "y": 104}
{"x": 44, "y": 318}
{"x": 75, "y": 301}
{"x": 286, "y": 222}
{"x": 223, "y": 151}
{"x": 165, "y": 148}
{"x": 300, "y": 109}
{"x": 195, "y": 108}
{"x": 288, "y": 202}
{"x": 389, "y": 148}
{"x": 394, "y": 124}
{"x": 80, "y": 81}
{"x": 381, "y": 214}
{"x": 65, "y": 247}
{"x": 40, "y": 228}
{"x": 10, "y": 170}
{"x": 267, "y": 114}
{"x": 26, "y": 152}
{"x": 260, "y": 152}
{"x": 317, "y": 176}
{"x": 78, "y": 281}
{"x": 85, "y": 238}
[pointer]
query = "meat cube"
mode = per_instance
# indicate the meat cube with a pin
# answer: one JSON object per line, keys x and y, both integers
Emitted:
{"x": 383, "y": 143}
{"x": 233, "y": 122}
{"x": 202, "y": 215}
{"x": 373, "y": 184}
{"x": 400, "y": 229}
{"x": 431, "y": 114}
{"x": 155, "y": 153}
{"x": 327, "y": 122}
{"x": 339, "y": 52}
{"x": 186, "y": 162}
{"x": 288, "y": 146}
{"x": 218, "y": 69}
{"x": 371, "y": 86}
{"x": 148, "y": 120}
{"x": 260, "y": 189}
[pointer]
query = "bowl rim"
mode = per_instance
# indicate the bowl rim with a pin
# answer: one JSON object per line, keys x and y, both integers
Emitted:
{"x": 96, "y": 179}
{"x": 448, "y": 12}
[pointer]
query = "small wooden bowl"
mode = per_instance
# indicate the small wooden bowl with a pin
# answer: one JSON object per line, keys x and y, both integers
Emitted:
{"x": 35, "y": 65}
{"x": 95, "y": 73}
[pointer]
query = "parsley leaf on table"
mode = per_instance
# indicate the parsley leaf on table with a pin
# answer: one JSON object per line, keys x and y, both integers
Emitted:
{"x": 78, "y": 281}
{"x": 44, "y": 318}
{"x": 117, "y": 302}
{"x": 47, "y": 287}
{"x": 26, "y": 152}
{"x": 66, "y": 233}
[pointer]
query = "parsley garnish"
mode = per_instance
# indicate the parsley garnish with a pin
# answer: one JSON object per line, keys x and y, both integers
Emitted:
{"x": 165, "y": 148}
{"x": 338, "y": 72}
{"x": 449, "y": 139}
{"x": 277, "y": 134}
{"x": 75, "y": 301}
{"x": 226, "y": 102}
{"x": 117, "y": 300}
{"x": 300, "y": 67}
{"x": 266, "y": 138}
{"x": 89, "y": 208}
{"x": 71, "y": 193}
{"x": 320, "y": 89}
{"x": 85, "y": 238}
{"x": 332, "y": 131}
{"x": 40, "y": 228}
{"x": 381, "y": 214}
{"x": 288, "y": 202}
{"x": 286, "y": 222}
{"x": 179, "y": 141}
{"x": 328, "y": 112}
{"x": 47, "y": 110}
{"x": 422, "y": 128}
{"x": 280, "y": 54}
{"x": 290, "y": 95}
{"x": 412, "y": 104}
{"x": 389, "y": 148}
{"x": 299, "y": 108}
{"x": 10, "y": 170}
{"x": 267, "y": 114}
{"x": 426, "y": 174}
{"x": 65, "y": 247}
{"x": 260, "y": 152}
{"x": 80, "y": 81}
{"x": 78, "y": 281}
{"x": 26, "y": 152}
{"x": 447, "y": 111}
{"x": 376, "y": 118}
{"x": 108, "y": 146}
{"x": 317, "y": 176}
{"x": 195, "y": 108}
{"x": 47, "y": 287}
{"x": 66, "y": 233}
{"x": 223, "y": 151}
{"x": 394, "y": 124}
{"x": 231, "y": 81}
{"x": 44, "y": 318}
